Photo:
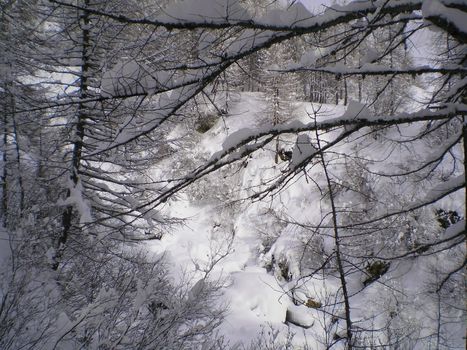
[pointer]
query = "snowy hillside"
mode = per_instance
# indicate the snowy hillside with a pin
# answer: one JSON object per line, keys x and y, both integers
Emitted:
{"x": 233, "y": 175}
{"x": 267, "y": 263}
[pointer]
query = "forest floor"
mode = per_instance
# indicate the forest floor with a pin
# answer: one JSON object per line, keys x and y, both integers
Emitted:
{"x": 231, "y": 239}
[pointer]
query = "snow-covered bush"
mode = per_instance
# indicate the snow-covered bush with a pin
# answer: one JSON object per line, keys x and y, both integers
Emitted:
{"x": 106, "y": 296}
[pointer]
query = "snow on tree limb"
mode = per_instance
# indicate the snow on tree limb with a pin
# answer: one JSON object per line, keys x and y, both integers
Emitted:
{"x": 450, "y": 19}
{"x": 332, "y": 16}
{"x": 375, "y": 69}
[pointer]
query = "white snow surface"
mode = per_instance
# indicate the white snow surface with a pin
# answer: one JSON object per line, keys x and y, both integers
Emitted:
{"x": 233, "y": 236}
{"x": 303, "y": 149}
{"x": 256, "y": 297}
{"x": 205, "y": 10}
{"x": 453, "y": 16}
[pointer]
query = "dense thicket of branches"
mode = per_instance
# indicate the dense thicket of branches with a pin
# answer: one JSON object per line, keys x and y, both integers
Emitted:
{"x": 90, "y": 91}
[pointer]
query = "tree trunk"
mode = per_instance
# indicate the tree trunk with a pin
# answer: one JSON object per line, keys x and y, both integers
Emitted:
{"x": 340, "y": 265}
{"x": 345, "y": 92}
{"x": 67, "y": 216}
{"x": 18, "y": 163}
{"x": 5, "y": 167}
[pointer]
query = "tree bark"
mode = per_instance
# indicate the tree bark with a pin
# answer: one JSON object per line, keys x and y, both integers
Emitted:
{"x": 340, "y": 265}
{"x": 67, "y": 216}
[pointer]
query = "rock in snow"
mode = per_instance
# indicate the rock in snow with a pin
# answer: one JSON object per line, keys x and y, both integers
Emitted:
{"x": 300, "y": 316}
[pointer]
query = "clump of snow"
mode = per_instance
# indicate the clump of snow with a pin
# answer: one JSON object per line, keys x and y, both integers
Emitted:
{"x": 356, "y": 110}
{"x": 205, "y": 11}
{"x": 300, "y": 315}
{"x": 453, "y": 16}
{"x": 296, "y": 14}
{"x": 249, "y": 39}
{"x": 77, "y": 200}
{"x": 445, "y": 188}
{"x": 370, "y": 56}
{"x": 303, "y": 149}
{"x": 236, "y": 137}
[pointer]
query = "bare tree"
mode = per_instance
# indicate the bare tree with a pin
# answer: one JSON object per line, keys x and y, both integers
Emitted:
{"x": 440, "y": 122}
{"x": 121, "y": 106}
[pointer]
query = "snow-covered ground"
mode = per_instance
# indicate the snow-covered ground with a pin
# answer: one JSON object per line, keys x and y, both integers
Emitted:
{"x": 261, "y": 257}
{"x": 228, "y": 239}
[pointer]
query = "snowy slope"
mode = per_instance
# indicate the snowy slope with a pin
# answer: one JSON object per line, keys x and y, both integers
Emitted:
{"x": 235, "y": 235}
{"x": 261, "y": 257}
